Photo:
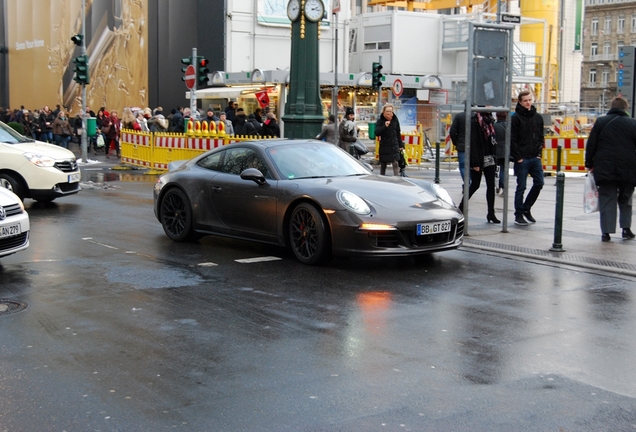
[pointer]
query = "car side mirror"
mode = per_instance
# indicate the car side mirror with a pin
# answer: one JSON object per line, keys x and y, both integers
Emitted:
{"x": 254, "y": 175}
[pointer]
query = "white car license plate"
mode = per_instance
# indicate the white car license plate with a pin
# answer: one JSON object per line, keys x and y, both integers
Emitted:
{"x": 10, "y": 230}
{"x": 74, "y": 178}
{"x": 433, "y": 228}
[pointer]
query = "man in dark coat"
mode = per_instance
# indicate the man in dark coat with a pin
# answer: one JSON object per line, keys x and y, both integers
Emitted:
{"x": 610, "y": 154}
{"x": 526, "y": 145}
{"x": 242, "y": 127}
{"x": 388, "y": 129}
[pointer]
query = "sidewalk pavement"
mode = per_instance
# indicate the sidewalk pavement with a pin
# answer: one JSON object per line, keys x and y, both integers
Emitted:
{"x": 580, "y": 238}
{"x": 581, "y": 233}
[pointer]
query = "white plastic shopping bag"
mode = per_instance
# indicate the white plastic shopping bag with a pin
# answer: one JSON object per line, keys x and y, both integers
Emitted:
{"x": 590, "y": 195}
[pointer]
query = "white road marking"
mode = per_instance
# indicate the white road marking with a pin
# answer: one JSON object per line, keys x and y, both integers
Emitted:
{"x": 258, "y": 259}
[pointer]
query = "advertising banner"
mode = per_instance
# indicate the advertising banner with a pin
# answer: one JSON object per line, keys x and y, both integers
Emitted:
{"x": 41, "y": 53}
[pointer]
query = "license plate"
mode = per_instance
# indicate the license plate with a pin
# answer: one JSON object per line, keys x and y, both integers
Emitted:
{"x": 10, "y": 230}
{"x": 433, "y": 228}
{"x": 74, "y": 178}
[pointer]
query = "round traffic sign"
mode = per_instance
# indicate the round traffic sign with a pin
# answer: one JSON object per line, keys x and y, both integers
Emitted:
{"x": 190, "y": 77}
{"x": 398, "y": 88}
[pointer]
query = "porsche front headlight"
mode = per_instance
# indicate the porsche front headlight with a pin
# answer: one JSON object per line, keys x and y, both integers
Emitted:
{"x": 353, "y": 202}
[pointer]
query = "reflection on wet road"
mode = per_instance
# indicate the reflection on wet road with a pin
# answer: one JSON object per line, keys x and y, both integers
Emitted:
{"x": 126, "y": 330}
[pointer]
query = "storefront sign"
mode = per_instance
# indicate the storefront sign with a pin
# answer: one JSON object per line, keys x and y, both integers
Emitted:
{"x": 438, "y": 97}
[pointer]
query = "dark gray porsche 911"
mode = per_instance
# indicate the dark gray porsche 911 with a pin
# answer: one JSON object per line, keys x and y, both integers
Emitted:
{"x": 308, "y": 195}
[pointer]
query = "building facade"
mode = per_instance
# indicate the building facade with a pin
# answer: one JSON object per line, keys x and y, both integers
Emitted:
{"x": 609, "y": 25}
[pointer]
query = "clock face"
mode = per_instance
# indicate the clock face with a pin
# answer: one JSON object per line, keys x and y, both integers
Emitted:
{"x": 314, "y": 10}
{"x": 293, "y": 9}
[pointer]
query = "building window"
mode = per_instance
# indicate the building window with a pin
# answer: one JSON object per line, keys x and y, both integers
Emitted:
{"x": 595, "y": 25}
{"x": 608, "y": 25}
{"x": 634, "y": 23}
{"x": 592, "y": 77}
{"x": 594, "y": 50}
{"x": 621, "y": 25}
{"x": 607, "y": 46}
{"x": 605, "y": 75}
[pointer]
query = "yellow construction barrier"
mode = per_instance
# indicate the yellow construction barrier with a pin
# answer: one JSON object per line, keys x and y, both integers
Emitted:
{"x": 157, "y": 150}
{"x": 572, "y": 154}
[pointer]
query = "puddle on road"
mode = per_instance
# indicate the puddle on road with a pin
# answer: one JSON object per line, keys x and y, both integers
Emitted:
{"x": 110, "y": 176}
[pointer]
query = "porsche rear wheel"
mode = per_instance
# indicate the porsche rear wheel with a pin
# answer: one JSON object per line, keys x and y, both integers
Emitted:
{"x": 308, "y": 235}
{"x": 176, "y": 216}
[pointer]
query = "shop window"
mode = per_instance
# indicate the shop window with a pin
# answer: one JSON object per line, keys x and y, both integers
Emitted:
{"x": 384, "y": 45}
{"x": 370, "y": 46}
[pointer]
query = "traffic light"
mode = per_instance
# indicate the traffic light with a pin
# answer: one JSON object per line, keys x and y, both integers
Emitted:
{"x": 187, "y": 61}
{"x": 202, "y": 71}
{"x": 81, "y": 69}
{"x": 376, "y": 80}
{"x": 77, "y": 39}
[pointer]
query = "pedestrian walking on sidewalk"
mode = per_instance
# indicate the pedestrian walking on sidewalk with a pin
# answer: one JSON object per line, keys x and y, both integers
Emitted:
{"x": 391, "y": 145}
{"x": 610, "y": 155}
{"x": 526, "y": 145}
{"x": 347, "y": 131}
{"x": 457, "y": 134}
{"x": 483, "y": 160}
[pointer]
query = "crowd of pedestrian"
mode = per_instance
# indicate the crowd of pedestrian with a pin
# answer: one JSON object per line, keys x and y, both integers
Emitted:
{"x": 55, "y": 126}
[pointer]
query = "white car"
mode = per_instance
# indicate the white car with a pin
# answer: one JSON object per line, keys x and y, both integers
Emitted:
{"x": 33, "y": 169}
{"x": 14, "y": 224}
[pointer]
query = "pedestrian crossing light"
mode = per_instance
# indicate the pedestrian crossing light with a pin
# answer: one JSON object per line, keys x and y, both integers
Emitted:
{"x": 376, "y": 75}
{"x": 202, "y": 71}
{"x": 187, "y": 61}
{"x": 81, "y": 69}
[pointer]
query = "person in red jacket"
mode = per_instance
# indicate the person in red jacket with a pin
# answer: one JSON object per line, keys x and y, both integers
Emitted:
{"x": 111, "y": 127}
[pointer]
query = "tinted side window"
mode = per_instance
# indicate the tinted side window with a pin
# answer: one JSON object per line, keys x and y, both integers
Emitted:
{"x": 239, "y": 159}
{"x": 212, "y": 162}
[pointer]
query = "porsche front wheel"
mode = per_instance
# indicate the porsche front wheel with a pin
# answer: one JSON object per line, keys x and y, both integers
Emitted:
{"x": 308, "y": 234}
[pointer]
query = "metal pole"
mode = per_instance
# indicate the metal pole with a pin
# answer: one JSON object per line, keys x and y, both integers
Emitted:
{"x": 557, "y": 246}
{"x": 379, "y": 107}
{"x": 193, "y": 90}
{"x": 437, "y": 162}
{"x": 334, "y": 96}
{"x": 84, "y": 136}
{"x": 558, "y": 165}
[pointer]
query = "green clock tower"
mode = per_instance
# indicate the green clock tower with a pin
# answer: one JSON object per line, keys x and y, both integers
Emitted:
{"x": 303, "y": 111}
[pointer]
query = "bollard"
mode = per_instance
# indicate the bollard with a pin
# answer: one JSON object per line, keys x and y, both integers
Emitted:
{"x": 437, "y": 162}
{"x": 558, "y": 165}
{"x": 557, "y": 246}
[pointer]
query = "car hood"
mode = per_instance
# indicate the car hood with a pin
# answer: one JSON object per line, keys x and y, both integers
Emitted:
{"x": 385, "y": 191}
{"x": 42, "y": 148}
{"x": 7, "y": 197}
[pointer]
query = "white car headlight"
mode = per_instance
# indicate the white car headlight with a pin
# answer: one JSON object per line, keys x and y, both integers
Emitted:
{"x": 442, "y": 194}
{"x": 353, "y": 202}
{"x": 40, "y": 160}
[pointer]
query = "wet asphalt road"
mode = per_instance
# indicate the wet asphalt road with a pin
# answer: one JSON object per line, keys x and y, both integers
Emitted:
{"x": 128, "y": 331}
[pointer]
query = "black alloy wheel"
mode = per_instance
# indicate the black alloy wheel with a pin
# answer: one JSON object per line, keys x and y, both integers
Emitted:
{"x": 307, "y": 234}
{"x": 176, "y": 216}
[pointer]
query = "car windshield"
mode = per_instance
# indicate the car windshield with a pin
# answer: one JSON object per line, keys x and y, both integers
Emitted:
{"x": 9, "y": 136}
{"x": 313, "y": 160}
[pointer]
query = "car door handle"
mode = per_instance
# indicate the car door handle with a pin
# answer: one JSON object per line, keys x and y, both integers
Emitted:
{"x": 216, "y": 189}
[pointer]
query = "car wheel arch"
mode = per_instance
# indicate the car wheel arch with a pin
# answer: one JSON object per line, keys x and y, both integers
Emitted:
{"x": 290, "y": 209}
{"x": 17, "y": 177}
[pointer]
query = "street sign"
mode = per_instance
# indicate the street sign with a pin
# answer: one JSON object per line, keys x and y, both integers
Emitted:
{"x": 510, "y": 19}
{"x": 190, "y": 77}
{"x": 398, "y": 88}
